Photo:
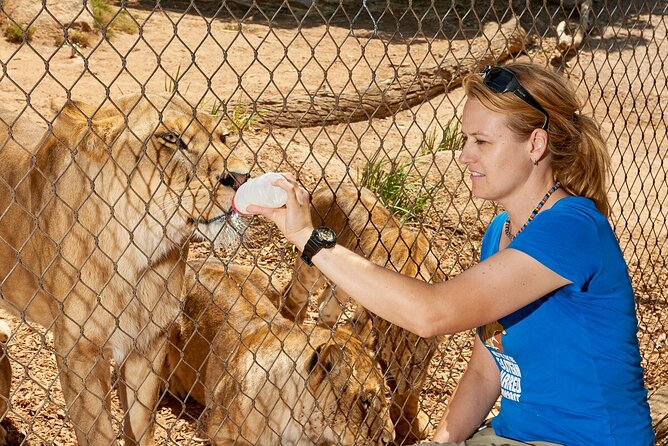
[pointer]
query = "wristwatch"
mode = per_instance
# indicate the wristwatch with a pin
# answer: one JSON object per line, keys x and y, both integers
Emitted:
{"x": 321, "y": 237}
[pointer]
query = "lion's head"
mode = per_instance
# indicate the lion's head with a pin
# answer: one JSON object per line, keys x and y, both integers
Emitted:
{"x": 350, "y": 393}
{"x": 157, "y": 166}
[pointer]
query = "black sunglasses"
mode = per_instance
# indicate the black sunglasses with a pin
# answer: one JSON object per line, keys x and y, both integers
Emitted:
{"x": 503, "y": 80}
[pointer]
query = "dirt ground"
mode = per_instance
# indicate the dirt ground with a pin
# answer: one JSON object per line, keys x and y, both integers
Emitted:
{"x": 619, "y": 70}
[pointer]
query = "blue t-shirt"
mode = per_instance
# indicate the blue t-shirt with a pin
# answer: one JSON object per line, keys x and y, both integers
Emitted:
{"x": 570, "y": 361}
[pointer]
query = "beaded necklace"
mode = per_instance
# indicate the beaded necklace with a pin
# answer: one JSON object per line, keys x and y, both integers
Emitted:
{"x": 506, "y": 226}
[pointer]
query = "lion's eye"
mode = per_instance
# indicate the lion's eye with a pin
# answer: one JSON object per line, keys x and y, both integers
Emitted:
{"x": 172, "y": 138}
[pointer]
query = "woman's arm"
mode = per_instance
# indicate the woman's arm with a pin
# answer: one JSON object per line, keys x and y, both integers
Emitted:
{"x": 474, "y": 397}
{"x": 484, "y": 293}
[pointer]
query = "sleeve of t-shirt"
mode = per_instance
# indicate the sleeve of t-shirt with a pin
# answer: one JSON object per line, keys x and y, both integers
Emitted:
{"x": 564, "y": 240}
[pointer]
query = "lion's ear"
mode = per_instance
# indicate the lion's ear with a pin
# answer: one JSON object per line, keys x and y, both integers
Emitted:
{"x": 91, "y": 130}
{"x": 326, "y": 358}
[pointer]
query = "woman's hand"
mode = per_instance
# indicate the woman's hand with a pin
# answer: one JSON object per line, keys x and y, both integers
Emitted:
{"x": 293, "y": 220}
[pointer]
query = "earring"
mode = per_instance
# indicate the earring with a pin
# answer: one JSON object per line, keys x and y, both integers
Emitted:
{"x": 535, "y": 162}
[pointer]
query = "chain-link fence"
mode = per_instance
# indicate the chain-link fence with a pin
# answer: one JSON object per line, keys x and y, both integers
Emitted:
{"x": 127, "y": 128}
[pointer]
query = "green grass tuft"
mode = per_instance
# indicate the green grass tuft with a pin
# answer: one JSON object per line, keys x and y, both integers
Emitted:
{"x": 405, "y": 198}
{"x": 243, "y": 118}
{"x": 451, "y": 139}
{"x": 16, "y": 34}
{"x": 172, "y": 82}
{"x": 112, "y": 19}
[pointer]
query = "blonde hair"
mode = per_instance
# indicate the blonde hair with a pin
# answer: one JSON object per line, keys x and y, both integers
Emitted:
{"x": 578, "y": 152}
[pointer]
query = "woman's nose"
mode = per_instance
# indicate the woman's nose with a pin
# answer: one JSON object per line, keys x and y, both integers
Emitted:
{"x": 464, "y": 155}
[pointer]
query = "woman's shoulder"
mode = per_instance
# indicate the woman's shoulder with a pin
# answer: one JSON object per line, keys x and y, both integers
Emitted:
{"x": 577, "y": 219}
{"x": 568, "y": 238}
{"x": 577, "y": 203}
{"x": 576, "y": 207}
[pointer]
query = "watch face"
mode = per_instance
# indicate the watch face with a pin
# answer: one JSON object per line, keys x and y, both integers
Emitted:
{"x": 326, "y": 235}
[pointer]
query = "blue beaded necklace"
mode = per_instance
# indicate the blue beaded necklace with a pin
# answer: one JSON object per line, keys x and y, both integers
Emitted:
{"x": 506, "y": 226}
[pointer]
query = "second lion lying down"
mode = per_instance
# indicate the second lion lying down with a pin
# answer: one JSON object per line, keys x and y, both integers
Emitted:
{"x": 263, "y": 379}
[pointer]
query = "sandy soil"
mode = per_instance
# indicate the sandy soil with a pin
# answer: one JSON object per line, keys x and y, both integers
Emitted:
{"x": 619, "y": 71}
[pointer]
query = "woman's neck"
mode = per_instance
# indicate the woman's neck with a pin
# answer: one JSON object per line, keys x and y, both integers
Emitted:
{"x": 532, "y": 200}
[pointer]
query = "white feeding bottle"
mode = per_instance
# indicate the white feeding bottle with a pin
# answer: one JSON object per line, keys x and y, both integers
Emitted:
{"x": 261, "y": 192}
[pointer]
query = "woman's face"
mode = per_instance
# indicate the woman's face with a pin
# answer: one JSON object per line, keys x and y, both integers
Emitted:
{"x": 497, "y": 160}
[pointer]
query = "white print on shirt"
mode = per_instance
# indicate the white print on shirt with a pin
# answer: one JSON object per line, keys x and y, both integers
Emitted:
{"x": 511, "y": 376}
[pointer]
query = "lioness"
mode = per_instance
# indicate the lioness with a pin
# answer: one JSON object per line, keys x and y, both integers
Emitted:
{"x": 263, "y": 380}
{"x": 367, "y": 227}
{"x": 95, "y": 220}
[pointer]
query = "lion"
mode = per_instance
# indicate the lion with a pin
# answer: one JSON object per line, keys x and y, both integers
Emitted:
{"x": 364, "y": 225}
{"x": 95, "y": 221}
{"x": 5, "y": 376}
{"x": 262, "y": 379}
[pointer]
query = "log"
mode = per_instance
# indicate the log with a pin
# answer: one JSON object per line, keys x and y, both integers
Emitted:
{"x": 496, "y": 44}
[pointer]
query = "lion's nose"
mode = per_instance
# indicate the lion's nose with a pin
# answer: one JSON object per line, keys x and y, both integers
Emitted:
{"x": 233, "y": 179}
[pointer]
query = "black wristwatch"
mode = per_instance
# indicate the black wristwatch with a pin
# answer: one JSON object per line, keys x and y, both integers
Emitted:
{"x": 321, "y": 237}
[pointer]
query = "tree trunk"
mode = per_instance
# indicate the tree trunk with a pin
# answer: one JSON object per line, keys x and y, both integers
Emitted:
{"x": 497, "y": 43}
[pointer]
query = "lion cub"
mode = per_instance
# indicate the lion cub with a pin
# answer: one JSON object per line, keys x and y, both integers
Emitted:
{"x": 5, "y": 377}
{"x": 365, "y": 226}
{"x": 262, "y": 379}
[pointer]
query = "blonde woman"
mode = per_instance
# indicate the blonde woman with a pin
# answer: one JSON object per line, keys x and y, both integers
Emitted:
{"x": 551, "y": 297}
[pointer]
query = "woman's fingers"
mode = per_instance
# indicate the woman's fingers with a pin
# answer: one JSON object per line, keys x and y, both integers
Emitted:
{"x": 302, "y": 196}
{"x": 297, "y": 195}
{"x": 287, "y": 185}
{"x": 296, "y": 215}
{"x": 290, "y": 184}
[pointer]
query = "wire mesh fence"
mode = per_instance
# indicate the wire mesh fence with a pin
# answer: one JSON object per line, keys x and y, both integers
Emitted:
{"x": 126, "y": 128}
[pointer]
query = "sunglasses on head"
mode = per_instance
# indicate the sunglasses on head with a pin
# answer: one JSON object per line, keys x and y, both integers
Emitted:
{"x": 503, "y": 80}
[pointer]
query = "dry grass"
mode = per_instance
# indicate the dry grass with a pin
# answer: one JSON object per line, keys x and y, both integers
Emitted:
{"x": 18, "y": 34}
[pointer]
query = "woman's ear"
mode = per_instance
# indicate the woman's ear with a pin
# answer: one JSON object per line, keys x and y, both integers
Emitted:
{"x": 538, "y": 142}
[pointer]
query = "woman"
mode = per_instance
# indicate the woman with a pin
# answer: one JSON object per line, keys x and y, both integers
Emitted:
{"x": 551, "y": 297}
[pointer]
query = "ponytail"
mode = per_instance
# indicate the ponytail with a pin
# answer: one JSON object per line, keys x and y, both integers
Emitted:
{"x": 581, "y": 161}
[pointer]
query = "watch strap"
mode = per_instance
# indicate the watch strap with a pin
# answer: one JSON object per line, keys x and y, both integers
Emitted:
{"x": 310, "y": 249}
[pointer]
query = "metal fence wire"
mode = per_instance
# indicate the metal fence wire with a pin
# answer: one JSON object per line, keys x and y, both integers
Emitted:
{"x": 134, "y": 310}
